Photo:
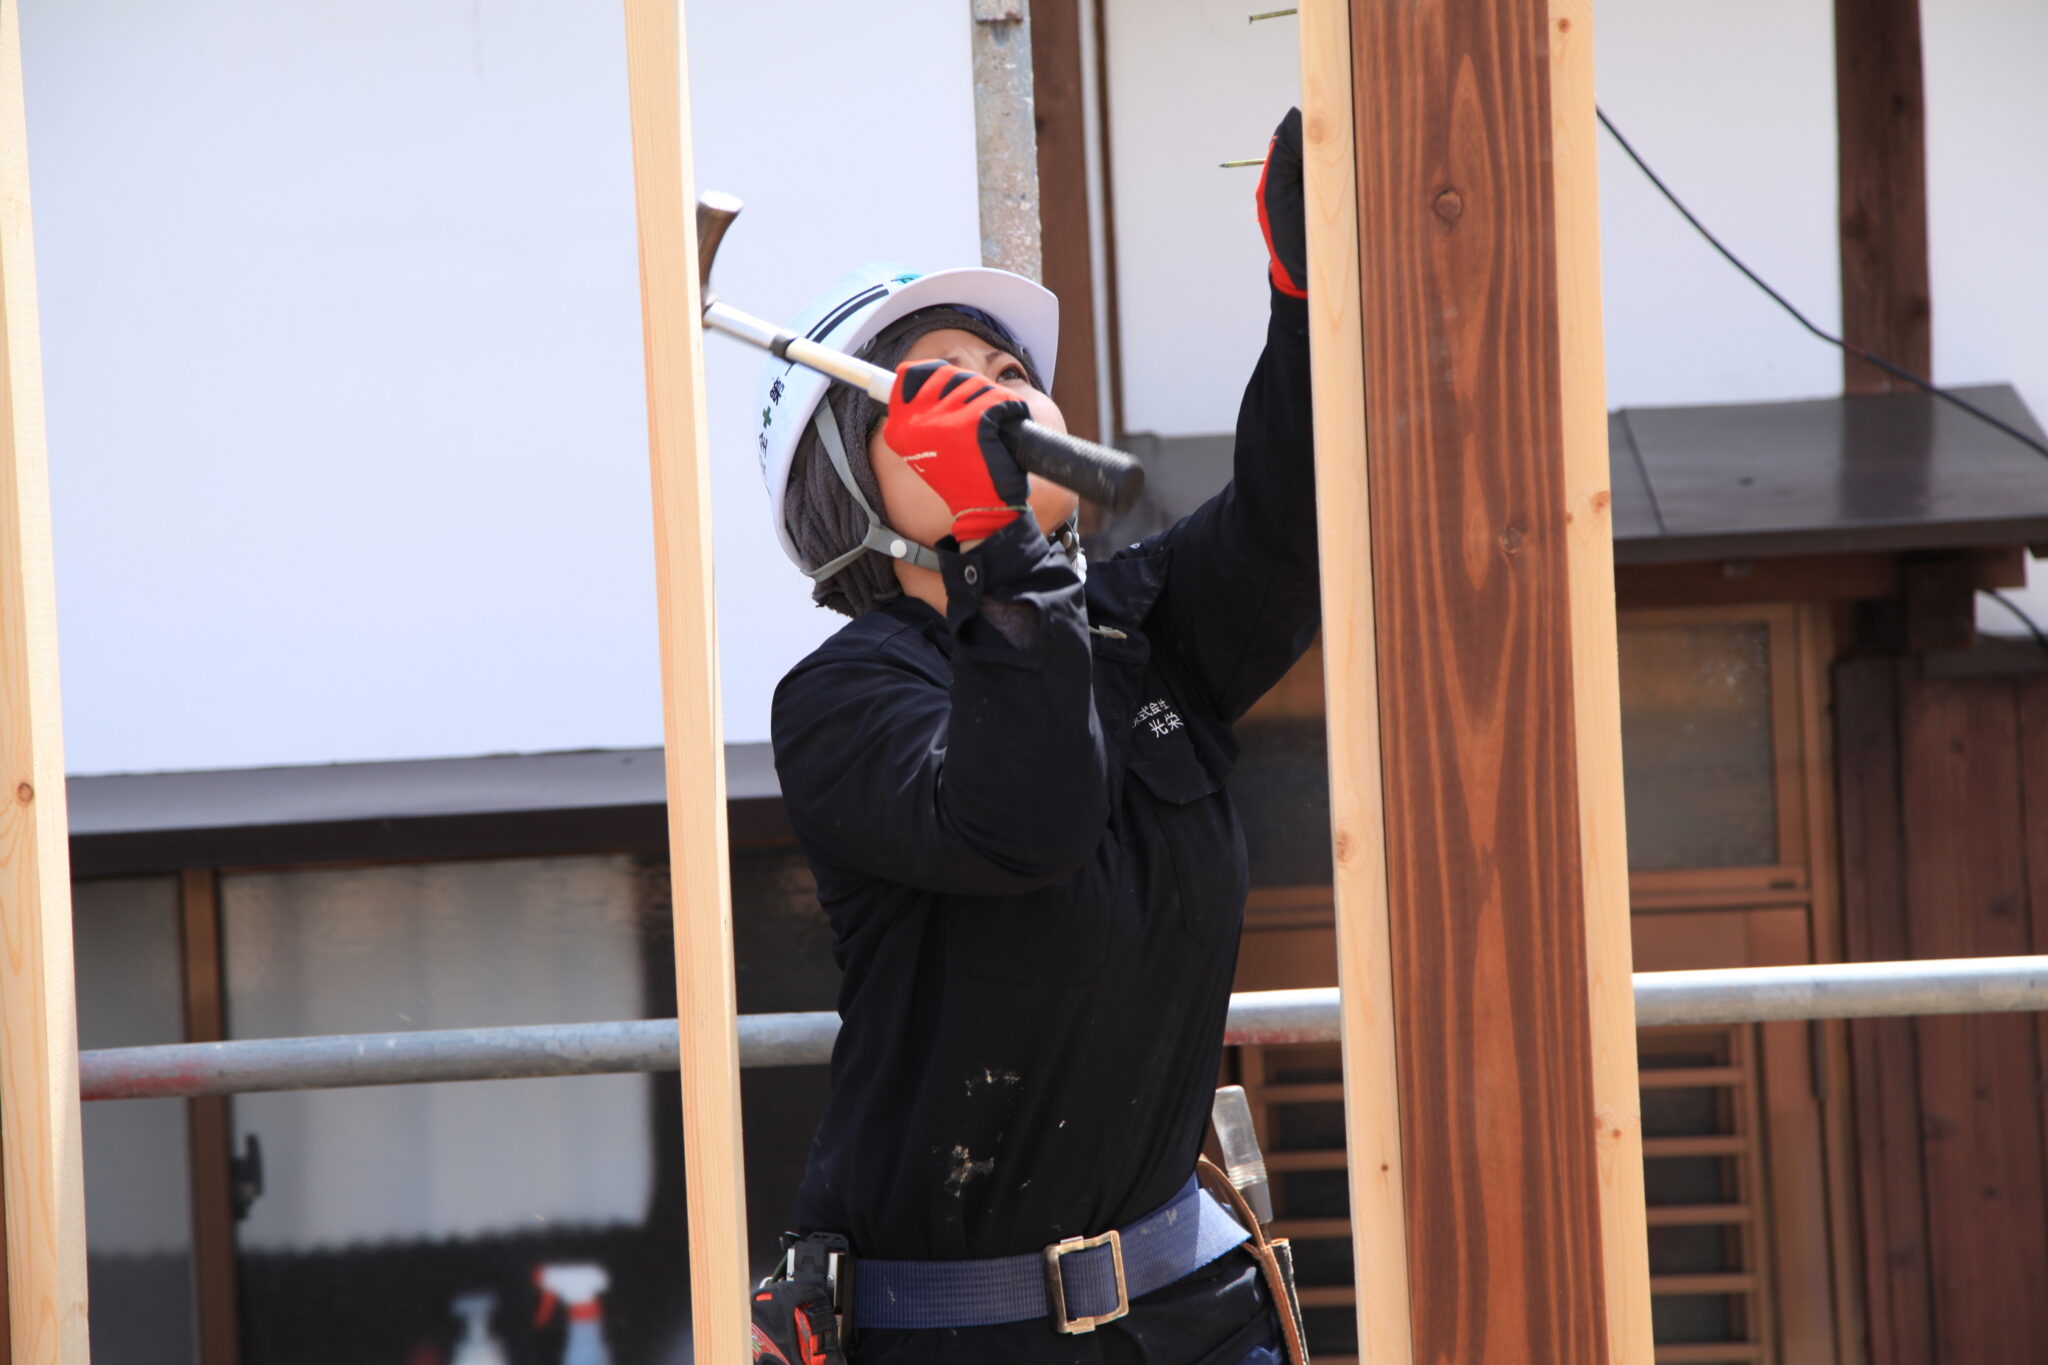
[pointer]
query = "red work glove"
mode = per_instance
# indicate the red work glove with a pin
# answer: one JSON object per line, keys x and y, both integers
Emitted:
{"x": 947, "y": 423}
{"x": 1282, "y": 216}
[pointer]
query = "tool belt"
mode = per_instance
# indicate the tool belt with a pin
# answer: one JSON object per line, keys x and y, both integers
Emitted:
{"x": 1275, "y": 1256}
{"x": 1079, "y": 1283}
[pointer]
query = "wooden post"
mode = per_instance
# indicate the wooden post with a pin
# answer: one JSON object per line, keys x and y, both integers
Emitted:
{"x": 39, "y": 1121}
{"x": 1881, "y": 126}
{"x": 1468, "y": 582}
{"x": 670, "y": 306}
{"x": 208, "y": 1124}
{"x": 1065, "y": 245}
{"x": 1350, "y": 685}
{"x": 1617, "y": 1127}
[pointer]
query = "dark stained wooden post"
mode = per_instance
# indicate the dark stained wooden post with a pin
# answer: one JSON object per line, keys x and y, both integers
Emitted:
{"x": 209, "y": 1124}
{"x": 1491, "y": 593}
{"x": 1067, "y": 260}
{"x": 1884, "y": 1052}
{"x": 1882, "y": 151}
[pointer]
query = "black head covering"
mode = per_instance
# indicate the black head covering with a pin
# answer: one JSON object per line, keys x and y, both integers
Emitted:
{"x": 823, "y": 519}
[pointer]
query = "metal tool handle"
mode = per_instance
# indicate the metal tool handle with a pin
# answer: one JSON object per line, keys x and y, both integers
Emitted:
{"x": 1096, "y": 472}
{"x": 1243, "y": 1163}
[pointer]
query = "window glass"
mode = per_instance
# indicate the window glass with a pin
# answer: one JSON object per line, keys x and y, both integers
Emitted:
{"x": 138, "y": 1205}
{"x": 1696, "y": 746}
{"x": 383, "y": 1206}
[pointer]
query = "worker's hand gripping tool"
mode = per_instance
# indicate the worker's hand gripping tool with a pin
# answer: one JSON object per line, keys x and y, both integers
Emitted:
{"x": 1094, "y": 471}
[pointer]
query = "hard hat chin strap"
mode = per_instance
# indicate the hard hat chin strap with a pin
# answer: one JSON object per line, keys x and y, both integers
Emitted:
{"x": 885, "y": 541}
{"x": 878, "y": 537}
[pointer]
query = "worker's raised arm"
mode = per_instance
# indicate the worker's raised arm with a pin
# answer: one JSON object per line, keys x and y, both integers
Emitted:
{"x": 981, "y": 774}
{"x": 1242, "y": 598}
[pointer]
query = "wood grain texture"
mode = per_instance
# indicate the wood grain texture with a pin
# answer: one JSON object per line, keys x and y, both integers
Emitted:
{"x": 1466, "y": 394}
{"x": 39, "y": 1119}
{"x": 1793, "y": 1145}
{"x": 1881, "y": 142}
{"x": 209, "y": 1130}
{"x": 1065, "y": 248}
{"x": 2033, "y": 711}
{"x": 1617, "y": 1119}
{"x": 671, "y": 304}
{"x": 1817, "y": 649}
{"x": 1981, "y": 1117}
{"x": 1351, "y": 671}
{"x": 1884, "y": 1053}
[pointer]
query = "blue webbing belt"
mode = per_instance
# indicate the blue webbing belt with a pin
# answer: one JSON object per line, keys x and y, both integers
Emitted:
{"x": 1186, "y": 1234}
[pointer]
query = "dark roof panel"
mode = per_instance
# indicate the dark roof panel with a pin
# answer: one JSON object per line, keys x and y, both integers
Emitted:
{"x": 1825, "y": 476}
{"x": 1635, "y": 511}
{"x": 414, "y": 789}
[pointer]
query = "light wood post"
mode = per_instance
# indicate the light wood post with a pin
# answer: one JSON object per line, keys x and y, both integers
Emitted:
{"x": 670, "y": 304}
{"x": 1474, "y": 704}
{"x": 1350, "y": 677}
{"x": 39, "y": 1121}
{"x": 1617, "y": 1120}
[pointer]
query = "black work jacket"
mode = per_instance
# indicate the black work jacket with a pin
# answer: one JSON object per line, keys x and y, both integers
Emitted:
{"x": 1035, "y": 879}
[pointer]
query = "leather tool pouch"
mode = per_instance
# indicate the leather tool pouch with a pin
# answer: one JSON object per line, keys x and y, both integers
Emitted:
{"x": 1274, "y": 1255}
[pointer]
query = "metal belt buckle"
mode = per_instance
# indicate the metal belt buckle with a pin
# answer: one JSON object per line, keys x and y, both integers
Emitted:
{"x": 1056, "y": 1285}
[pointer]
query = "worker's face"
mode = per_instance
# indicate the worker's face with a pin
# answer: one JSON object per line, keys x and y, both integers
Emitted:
{"x": 908, "y": 502}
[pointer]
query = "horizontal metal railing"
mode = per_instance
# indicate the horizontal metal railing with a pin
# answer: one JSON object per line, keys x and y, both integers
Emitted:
{"x": 1743, "y": 995}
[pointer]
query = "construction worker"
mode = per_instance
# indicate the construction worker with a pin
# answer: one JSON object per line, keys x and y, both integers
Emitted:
{"x": 1007, "y": 774}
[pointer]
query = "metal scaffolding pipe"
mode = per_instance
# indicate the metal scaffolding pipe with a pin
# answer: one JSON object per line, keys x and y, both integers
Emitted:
{"x": 1847, "y": 990}
{"x": 1744, "y": 995}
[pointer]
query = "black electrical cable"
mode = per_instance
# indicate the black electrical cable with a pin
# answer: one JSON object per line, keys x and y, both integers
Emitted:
{"x": 2033, "y": 629}
{"x": 1879, "y": 361}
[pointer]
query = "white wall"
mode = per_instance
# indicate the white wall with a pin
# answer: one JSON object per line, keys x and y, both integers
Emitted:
{"x": 1987, "y": 192}
{"x": 342, "y": 360}
{"x": 1191, "y": 85}
{"x": 1733, "y": 105}
{"x": 341, "y": 329}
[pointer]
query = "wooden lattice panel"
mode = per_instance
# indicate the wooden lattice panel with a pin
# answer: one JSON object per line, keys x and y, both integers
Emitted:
{"x": 1704, "y": 1157}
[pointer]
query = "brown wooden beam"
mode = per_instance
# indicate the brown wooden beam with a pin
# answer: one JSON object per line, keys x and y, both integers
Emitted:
{"x": 1841, "y": 578}
{"x": 1982, "y": 1142}
{"x": 1066, "y": 254}
{"x": 1884, "y": 1053}
{"x": 208, "y": 1127}
{"x": 1493, "y": 600}
{"x": 1112, "y": 420}
{"x": 1882, "y": 155}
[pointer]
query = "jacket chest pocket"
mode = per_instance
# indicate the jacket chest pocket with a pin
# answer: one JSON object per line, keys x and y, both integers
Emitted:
{"x": 1188, "y": 831}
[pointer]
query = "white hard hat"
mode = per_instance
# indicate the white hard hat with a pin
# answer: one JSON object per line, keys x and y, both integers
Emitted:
{"x": 852, "y": 313}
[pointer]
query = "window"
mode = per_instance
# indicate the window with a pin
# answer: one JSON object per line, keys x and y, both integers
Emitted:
{"x": 138, "y": 1206}
{"x": 1696, "y": 739}
{"x": 381, "y": 1206}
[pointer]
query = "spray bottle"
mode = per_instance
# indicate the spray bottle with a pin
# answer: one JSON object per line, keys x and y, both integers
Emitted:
{"x": 478, "y": 1346}
{"x": 578, "y": 1286}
